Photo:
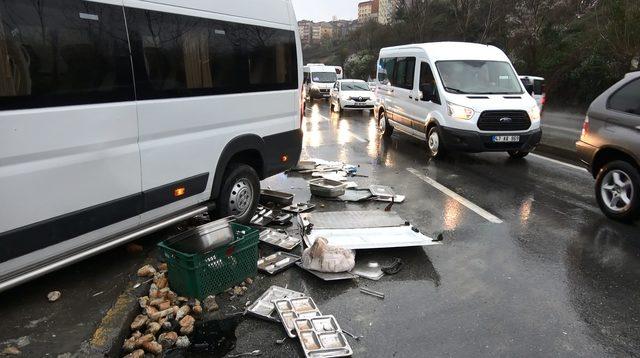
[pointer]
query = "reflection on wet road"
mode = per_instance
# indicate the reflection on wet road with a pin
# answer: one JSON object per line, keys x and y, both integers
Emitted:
{"x": 554, "y": 278}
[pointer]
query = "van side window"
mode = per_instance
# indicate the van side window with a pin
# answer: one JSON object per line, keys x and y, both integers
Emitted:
{"x": 627, "y": 98}
{"x": 62, "y": 52}
{"x": 404, "y": 73}
{"x": 428, "y": 84}
{"x": 183, "y": 56}
{"x": 385, "y": 70}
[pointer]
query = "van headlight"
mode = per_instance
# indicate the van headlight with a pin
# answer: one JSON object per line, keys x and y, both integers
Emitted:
{"x": 534, "y": 113}
{"x": 460, "y": 112}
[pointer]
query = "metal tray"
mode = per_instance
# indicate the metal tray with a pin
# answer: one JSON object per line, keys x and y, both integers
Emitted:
{"x": 276, "y": 197}
{"x": 322, "y": 337}
{"x": 329, "y": 276}
{"x": 281, "y": 240}
{"x": 277, "y": 262}
{"x": 327, "y": 188}
{"x": 204, "y": 238}
{"x": 382, "y": 191}
{"x": 295, "y": 308}
{"x": 299, "y": 208}
{"x": 264, "y": 308}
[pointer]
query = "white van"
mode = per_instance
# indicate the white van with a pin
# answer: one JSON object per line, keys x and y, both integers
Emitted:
{"x": 119, "y": 118}
{"x": 457, "y": 96}
{"x": 318, "y": 81}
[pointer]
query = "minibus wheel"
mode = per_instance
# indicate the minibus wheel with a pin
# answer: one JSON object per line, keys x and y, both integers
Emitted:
{"x": 239, "y": 194}
{"x": 383, "y": 125}
{"x": 435, "y": 148}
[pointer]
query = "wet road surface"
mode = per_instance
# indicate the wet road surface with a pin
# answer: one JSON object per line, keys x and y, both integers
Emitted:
{"x": 529, "y": 266}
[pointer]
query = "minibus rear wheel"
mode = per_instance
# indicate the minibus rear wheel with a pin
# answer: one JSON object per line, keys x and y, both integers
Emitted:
{"x": 239, "y": 194}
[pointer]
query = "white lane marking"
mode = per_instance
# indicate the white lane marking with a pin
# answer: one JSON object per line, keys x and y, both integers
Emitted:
{"x": 471, "y": 206}
{"x": 564, "y": 129}
{"x": 575, "y": 167}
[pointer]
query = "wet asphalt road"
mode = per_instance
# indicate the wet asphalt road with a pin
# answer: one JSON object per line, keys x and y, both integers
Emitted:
{"x": 555, "y": 278}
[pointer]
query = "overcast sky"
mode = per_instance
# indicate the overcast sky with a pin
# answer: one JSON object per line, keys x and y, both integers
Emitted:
{"x": 324, "y": 10}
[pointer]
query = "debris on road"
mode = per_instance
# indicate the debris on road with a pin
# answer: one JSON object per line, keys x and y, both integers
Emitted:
{"x": 372, "y": 292}
{"x": 394, "y": 267}
{"x": 136, "y": 354}
{"x": 299, "y": 208}
{"x": 183, "y": 342}
{"x": 11, "y": 351}
{"x": 363, "y": 230}
{"x": 322, "y": 337}
{"x": 146, "y": 271}
{"x": 248, "y": 354}
{"x": 275, "y": 197}
{"x": 264, "y": 308}
{"x": 327, "y": 188}
{"x": 277, "y": 262}
{"x": 323, "y": 257}
{"x": 329, "y": 276}
{"x": 381, "y": 191}
{"x": 357, "y": 338}
{"x": 368, "y": 270}
{"x": 210, "y": 304}
{"x": 54, "y": 296}
{"x": 291, "y": 309}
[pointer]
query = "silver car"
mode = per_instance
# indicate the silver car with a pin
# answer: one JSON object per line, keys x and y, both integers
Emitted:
{"x": 610, "y": 146}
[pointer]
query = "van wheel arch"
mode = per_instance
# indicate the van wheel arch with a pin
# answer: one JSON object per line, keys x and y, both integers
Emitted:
{"x": 246, "y": 149}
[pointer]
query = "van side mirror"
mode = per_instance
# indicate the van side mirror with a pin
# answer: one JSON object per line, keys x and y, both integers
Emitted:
{"x": 427, "y": 92}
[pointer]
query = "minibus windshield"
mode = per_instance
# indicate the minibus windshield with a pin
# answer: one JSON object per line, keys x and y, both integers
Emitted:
{"x": 355, "y": 86}
{"x": 478, "y": 77}
{"x": 324, "y": 77}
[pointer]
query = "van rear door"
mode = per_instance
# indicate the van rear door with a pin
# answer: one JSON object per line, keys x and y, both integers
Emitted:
{"x": 69, "y": 158}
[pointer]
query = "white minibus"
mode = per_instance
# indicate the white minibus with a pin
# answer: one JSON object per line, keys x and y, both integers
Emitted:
{"x": 318, "y": 81}
{"x": 121, "y": 117}
{"x": 456, "y": 96}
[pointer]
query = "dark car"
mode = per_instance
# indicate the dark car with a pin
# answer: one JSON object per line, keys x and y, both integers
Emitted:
{"x": 610, "y": 146}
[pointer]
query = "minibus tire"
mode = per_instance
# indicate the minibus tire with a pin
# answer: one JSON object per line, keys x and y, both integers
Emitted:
{"x": 243, "y": 177}
{"x": 440, "y": 151}
{"x": 388, "y": 129}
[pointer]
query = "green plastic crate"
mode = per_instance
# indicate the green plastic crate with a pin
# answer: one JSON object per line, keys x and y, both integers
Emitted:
{"x": 213, "y": 272}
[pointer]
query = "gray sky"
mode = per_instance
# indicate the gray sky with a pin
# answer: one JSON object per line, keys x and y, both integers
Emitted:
{"x": 324, "y": 10}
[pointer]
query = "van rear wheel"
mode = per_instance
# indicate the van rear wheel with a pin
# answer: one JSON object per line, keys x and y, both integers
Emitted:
{"x": 240, "y": 193}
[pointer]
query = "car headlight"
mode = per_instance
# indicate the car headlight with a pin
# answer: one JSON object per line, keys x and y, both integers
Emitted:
{"x": 534, "y": 113}
{"x": 459, "y": 112}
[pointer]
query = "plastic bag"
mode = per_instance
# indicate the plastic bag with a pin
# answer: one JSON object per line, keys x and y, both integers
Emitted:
{"x": 323, "y": 257}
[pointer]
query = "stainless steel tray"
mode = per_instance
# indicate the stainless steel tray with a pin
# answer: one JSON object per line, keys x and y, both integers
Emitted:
{"x": 327, "y": 188}
{"x": 276, "y": 197}
{"x": 299, "y": 208}
{"x": 277, "y": 262}
{"x": 204, "y": 238}
{"x": 291, "y": 309}
{"x": 280, "y": 240}
{"x": 382, "y": 191}
{"x": 264, "y": 308}
{"x": 329, "y": 276}
{"x": 322, "y": 337}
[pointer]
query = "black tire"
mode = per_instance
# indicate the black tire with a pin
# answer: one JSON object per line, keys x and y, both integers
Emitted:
{"x": 517, "y": 154}
{"x": 387, "y": 129}
{"x": 238, "y": 176}
{"x": 437, "y": 149}
{"x": 631, "y": 211}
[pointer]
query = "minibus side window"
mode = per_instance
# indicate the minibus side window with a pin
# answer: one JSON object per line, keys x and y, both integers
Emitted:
{"x": 385, "y": 70}
{"x": 404, "y": 73}
{"x": 62, "y": 52}
{"x": 182, "y": 56}
{"x": 428, "y": 85}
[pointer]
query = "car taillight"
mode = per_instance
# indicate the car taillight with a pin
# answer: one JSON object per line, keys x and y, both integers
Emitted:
{"x": 585, "y": 126}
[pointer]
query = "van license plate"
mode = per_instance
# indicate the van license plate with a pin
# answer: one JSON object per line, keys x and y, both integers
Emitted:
{"x": 506, "y": 138}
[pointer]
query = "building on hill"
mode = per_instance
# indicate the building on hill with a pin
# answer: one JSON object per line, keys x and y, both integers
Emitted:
{"x": 368, "y": 10}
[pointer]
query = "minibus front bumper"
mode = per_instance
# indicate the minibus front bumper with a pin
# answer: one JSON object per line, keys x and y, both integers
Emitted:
{"x": 475, "y": 142}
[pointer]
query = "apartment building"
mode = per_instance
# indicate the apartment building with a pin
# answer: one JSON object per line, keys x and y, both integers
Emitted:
{"x": 368, "y": 10}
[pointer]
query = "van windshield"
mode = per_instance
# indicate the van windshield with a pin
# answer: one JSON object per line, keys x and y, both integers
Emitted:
{"x": 324, "y": 77}
{"x": 355, "y": 86}
{"x": 478, "y": 77}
